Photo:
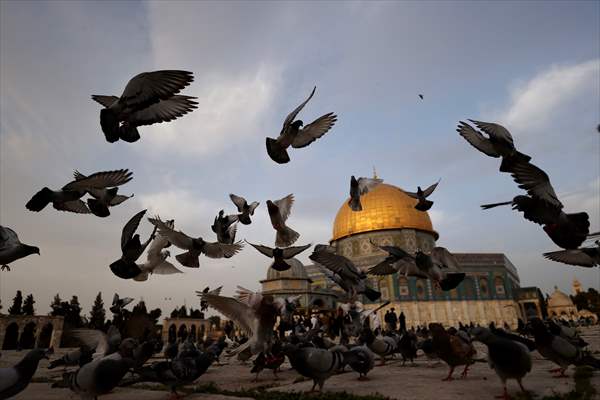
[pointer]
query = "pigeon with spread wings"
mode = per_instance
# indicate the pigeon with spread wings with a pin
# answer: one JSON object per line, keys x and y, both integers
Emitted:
{"x": 583, "y": 256}
{"x": 11, "y": 248}
{"x": 131, "y": 248}
{"x": 68, "y": 198}
{"x": 148, "y": 98}
{"x": 225, "y": 227}
{"x": 293, "y": 135}
{"x": 156, "y": 259}
{"x": 245, "y": 210}
{"x": 102, "y": 198}
{"x": 422, "y": 195}
{"x": 280, "y": 254}
{"x": 279, "y": 211}
{"x": 359, "y": 187}
{"x": 194, "y": 246}
{"x": 441, "y": 267}
{"x": 397, "y": 260}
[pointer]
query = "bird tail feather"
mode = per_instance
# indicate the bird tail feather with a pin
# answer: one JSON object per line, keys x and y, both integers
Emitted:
{"x": 125, "y": 269}
{"x": 188, "y": 259}
{"x": 280, "y": 265}
{"x": 97, "y": 208}
{"x": 492, "y": 205}
{"x": 516, "y": 156}
{"x": 129, "y": 134}
{"x": 452, "y": 281}
{"x": 372, "y": 294}
{"x": 141, "y": 277}
{"x": 109, "y": 121}
{"x": 277, "y": 152}
{"x": 39, "y": 200}
{"x": 286, "y": 237}
{"x": 424, "y": 205}
{"x": 354, "y": 204}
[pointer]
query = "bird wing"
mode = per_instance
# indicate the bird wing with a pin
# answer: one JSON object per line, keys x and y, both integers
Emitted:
{"x": 314, "y": 130}
{"x": 367, "y": 184}
{"x": 118, "y": 199}
{"x": 338, "y": 264}
{"x": 441, "y": 256}
{"x": 100, "y": 180}
{"x": 476, "y": 139}
{"x": 221, "y": 250}
{"x": 8, "y": 378}
{"x": 106, "y": 101}
{"x": 290, "y": 252}
{"x": 285, "y": 206}
{"x": 156, "y": 246}
{"x": 233, "y": 309}
{"x": 535, "y": 181}
{"x": 239, "y": 202}
{"x": 385, "y": 267}
{"x": 267, "y": 251}
{"x": 291, "y": 116}
{"x": 163, "y": 111}
{"x": 149, "y": 87}
{"x": 394, "y": 251}
{"x": 494, "y": 130}
{"x": 252, "y": 207}
{"x": 178, "y": 238}
{"x": 75, "y": 206}
{"x": 166, "y": 268}
{"x": 572, "y": 257}
{"x": 564, "y": 348}
{"x": 8, "y": 238}
{"x": 93, "y": 339}
{"x": 427, "y": 192}
{"x": 130, "y": 228}
{"x": 247, "y": 296}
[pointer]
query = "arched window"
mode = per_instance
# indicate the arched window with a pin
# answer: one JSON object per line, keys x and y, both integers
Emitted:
{"x": 499, "y": 285}
{"x": 11, "y": 337}
{"x": 403, "y": 286}
{"x": 469, "y": 287}
{"x": 27, "y": 339}
{"x": 193, "y": 333}
{"x": 172, "y": 333}
{"x": 421, "y": 295}
{"x": 182, "y": 333}
{"x": 483, "y": 287}
{"x": 45, "y": 336}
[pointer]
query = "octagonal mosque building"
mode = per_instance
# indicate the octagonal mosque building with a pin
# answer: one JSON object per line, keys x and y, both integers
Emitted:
{"x": 490, "y": 292}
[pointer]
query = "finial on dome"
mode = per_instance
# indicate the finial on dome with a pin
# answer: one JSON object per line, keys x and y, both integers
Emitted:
{"x": 375, "y": 173}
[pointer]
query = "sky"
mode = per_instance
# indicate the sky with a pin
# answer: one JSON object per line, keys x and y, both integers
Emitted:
{"x": 533, "y": 67}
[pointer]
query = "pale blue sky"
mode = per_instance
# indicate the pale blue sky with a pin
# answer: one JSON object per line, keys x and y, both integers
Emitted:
{"x": 531, "y": 66}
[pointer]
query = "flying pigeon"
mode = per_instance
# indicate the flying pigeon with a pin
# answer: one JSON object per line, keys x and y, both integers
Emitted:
{"x": 118, "y": 304}
{"x": 131, "y": 249}
{"x": 245, "y": 209}
{"x": 280, "y": 255}
{"x": 14, "y": 380}
{"x": 397, "y": 260}
{"x": 359, "y": 187}
{"x": 441, "y": 267}
{"x": 102, "y": 198}
{"x": 509, "y": 359}
{"x": 454, "y": 350}
{"x": 343, "y": 272}
{"x": 225, "y": 227}
{"x": 104, "y": 344}
{"x": 78, "y": 357}
{"x": 156, "y": 259}
{"x": 584, "y": 256}
{"x": 292, "y": 135}
{"x": 422, "y": 195}
{"x": 148, "y": 98}
{"x": 204, "y": 303}
{"x": 499, "y": 142}
{"x": 194, "y": 246}
{"x": 11, "y": 249}
{"x": 279, "y": 211}
{"x": 69, "y": 197}
{"x": 421, "y": 96}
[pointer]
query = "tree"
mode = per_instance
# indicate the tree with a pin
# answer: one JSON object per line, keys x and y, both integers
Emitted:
{"x": 56, "y": 306}
{"x": 15, "y": 309}
{"x": 140, "y": 308}
{"x": 98, "y": 314}
{"x": 28, "y": 305}
{"x": 155, "y": 315}
{"x": 182, "y": 313}
{"x": 215, "y": 320}
{"x": 73, "y": 313}
{"x": 174, "y": 312}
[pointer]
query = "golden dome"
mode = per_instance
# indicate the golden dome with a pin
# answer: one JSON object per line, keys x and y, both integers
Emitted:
{"x": 385, "y": 207}
{"x": 559, "y": 299}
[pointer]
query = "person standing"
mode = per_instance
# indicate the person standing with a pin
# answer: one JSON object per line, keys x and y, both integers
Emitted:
{"x": 393, "y": 319}
{"x": 402, "y": 322}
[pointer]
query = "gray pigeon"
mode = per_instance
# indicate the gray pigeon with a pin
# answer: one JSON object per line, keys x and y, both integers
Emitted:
{"x": 69, "y": 197}
{"x": 225, "y": 227}
{"x": 499, "y": 142}
{"x": 194, "y": 246}
{"x": 383, "y": 346}
{"x": 14, "y": 380}
{"x": 359, "y": 187}
{"x": 78, "y": 357}
{"x": 148, "y": 98}
{"x": 11, "y": 249}
{"x": 397, "y": 260}
{"x": 102, "y": 198}
{"x": 364, "y": 361}
{"x": 583, "y": 256}
{"x": 246, "y": 210}
{"x": 118, "y": 304}
{"x": 131, "y": 248}
{"x": 292, "y": 135}
{"x": 510, "y": 359}
{"x": 156, "y": 258}
{"x": 441, "y": 267}
{"x": 422, "y": 195}
{"x": 280, "y": 255}
{"x": 279, "y": 211}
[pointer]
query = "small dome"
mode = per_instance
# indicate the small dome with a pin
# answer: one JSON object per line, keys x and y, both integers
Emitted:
{"x": 559, "y": 299}
{"x": 296, "y": 272}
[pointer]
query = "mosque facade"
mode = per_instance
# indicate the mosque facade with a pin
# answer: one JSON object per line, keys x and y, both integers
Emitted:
{"x": 491, "y": 291}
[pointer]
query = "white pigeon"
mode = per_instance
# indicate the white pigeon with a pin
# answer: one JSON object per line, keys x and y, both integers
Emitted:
{"x": 156, "y": 259}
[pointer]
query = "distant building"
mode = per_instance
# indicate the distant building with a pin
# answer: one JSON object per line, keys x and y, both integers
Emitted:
{"x": 29, "y": 331}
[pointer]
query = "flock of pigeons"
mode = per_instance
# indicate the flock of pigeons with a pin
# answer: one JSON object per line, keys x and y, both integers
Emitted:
{"x": 152, "y": 97}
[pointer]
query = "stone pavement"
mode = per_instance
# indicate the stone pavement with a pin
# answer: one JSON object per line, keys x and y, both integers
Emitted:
{"x": 391, "y": 380}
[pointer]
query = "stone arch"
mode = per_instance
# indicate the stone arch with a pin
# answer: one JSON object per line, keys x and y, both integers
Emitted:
{"x": 193, "y": 333}
{"x": 469, "y": 287}
{"x": 483, "y": 287}
{"x": 421, "y": 290}
{"x": 172, "y": 338}
{"x": 500, "y": 287}
{"x": 11, "y": 337}
{"x": 45, "y": 336}
{"x": 201, "y": 332}
{"x": 182, "y": 332}
{"x": 27, "y": 338}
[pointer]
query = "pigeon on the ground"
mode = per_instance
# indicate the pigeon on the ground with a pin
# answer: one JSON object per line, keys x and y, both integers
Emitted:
{"x": 559, "y": 350}
{"x": 510, "y": 359}
{"x": 156, "y": 259}
{"x": 11, "y": 249}
{"x": 245, "y": 210}
{"x": 148, "y": 98}
{"x": 279, "y": 211}
{"x": 316, "y": 364}
{"x": 422, "y": 195}
{"x": 359, "y": 187}
{"x": 194, "y": 246}
{"x": 15, "y": 379}
{"x": 407, "y": 347}
{"x": 118, "y": 304}
{"x": 78, "y": 357}
{"x": 102, "y": 198}
{"x": 499, "y": 142}
{"x": 383, "y": 346}
{"x": 280, "y": 255}
{"x": 364, "y": 361}
{"x": 530, "y": 344}
{"x": 292, "y": 135}
{"x": 584, "y": 256}
{"x": 347, "y": 275}
{"x": 454, "y": 350}
{"x": 271, "y": 360}
{"x": 69, "y": 197}
{"x": 566, "y": 332}
{"x": 225, "y": 227}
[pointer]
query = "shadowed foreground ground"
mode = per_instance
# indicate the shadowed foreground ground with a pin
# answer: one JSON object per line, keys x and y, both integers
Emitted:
{"x": 391, "y": 380}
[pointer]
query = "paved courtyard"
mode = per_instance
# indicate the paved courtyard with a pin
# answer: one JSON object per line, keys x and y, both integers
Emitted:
{"x": 392, "y": 380}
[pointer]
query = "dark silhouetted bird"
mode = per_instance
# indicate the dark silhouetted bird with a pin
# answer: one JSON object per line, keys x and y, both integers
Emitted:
{"x": 397, "y": 260}
{"x": 292, "y": 135}
{"x": 271, "y": 360}
{"x": 148, "y": 98}
{"x": 583, "y": 256}
{"x": 441, "y": 267}
{"x": 280, "y": 255}
{"x": 422, "y": 195}
{"x": 156, "y": 259}
{"x": 358, "y": 187}
{"x": 499, "y": 142}
{"x": 454, "y": 350}
{"x": 14, "y": 380}
{"x": 77, "y": 357}
{"x": 11, "y": 249}
{"x": 279, "y": 211}
{"x": 225, "y": 227}
{"x": 245, "y": 210}
{"x": 131, "y": 249}
{"x": 118, "y": 304}
{"x": 421, "y": 96}
{"x": 194, "y": 246}
{"x": 102, "y": 198}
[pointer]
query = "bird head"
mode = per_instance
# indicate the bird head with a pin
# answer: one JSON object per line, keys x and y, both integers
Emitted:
{"x": 481, "y": 334}
{"x": 272, "y": 208}
{"x": 297, "y": 124}
{"x": 33, "y": 250}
